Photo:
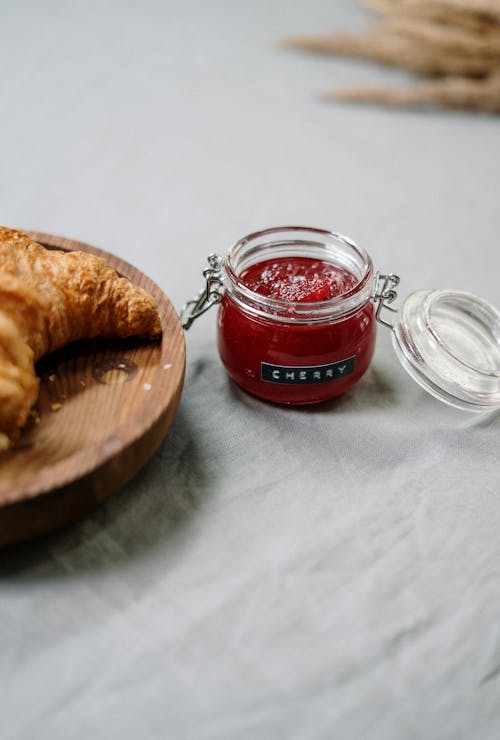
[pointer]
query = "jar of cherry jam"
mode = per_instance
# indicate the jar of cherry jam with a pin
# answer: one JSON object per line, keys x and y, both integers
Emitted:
{"x": 298, "y": 310}
{"x": 296, "y": 324}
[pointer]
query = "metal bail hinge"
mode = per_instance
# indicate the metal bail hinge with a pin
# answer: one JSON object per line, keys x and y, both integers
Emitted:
{"x": 208, "y": 296}
{"x": 384, "y": 294}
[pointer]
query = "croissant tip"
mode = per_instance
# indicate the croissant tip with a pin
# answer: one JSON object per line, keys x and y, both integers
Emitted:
{"x": 156, "y": 331}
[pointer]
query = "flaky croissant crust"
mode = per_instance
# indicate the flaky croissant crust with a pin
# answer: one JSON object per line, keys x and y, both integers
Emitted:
{"x": 49, "y": 298}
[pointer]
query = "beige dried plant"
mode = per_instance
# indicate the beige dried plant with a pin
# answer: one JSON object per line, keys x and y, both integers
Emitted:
{"x": 454, "y": 42}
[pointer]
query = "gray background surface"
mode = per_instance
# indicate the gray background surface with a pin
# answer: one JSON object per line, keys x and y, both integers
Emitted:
{"x": 303, "y": 574}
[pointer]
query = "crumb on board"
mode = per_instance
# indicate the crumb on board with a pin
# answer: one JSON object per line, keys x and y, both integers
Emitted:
{"x": 52, "y": 378}
{"x": 83, "y": 383}
{"x": 34, "y": 416}
{"x": 147, "y": 386}
{"x": 55, "y": 406}
{"x": 167, "y": 366}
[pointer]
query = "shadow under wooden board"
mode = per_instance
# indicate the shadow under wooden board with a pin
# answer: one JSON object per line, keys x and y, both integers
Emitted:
{"x": 104, "y": 408}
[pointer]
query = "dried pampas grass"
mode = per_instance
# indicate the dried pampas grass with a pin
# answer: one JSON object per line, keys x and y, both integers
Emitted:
{"x": 455, "y": 42}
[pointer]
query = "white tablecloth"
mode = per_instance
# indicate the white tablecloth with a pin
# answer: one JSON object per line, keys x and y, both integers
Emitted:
{"x": 272, "y": 573}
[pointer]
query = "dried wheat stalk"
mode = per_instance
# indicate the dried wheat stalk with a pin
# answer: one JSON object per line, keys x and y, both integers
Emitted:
{"x": 457, "y": 41}
{"x": 390, "y": 47}
{"x": 446, "y": 39}
{"x": 451, "y": 92}
{"x": 476, "y": 15}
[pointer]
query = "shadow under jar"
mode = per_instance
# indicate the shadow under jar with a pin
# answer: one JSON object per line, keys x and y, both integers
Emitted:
{"x": 296, "y": 324}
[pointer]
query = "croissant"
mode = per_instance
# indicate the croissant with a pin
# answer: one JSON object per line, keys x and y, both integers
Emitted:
{"x": 49, "y": 298}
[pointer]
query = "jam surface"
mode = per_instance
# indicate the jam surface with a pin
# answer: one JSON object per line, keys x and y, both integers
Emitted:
{"x": 298, "y": 279}
{"x": 295, "y": 362}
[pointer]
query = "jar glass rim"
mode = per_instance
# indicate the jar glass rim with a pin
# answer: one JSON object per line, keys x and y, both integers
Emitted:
{"x": 297, "y": 238}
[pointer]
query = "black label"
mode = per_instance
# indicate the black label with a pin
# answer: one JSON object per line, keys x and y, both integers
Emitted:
{"x": 304, "y": 375}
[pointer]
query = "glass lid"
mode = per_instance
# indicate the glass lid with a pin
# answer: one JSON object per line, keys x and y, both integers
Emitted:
{"x": 449, "y": 342}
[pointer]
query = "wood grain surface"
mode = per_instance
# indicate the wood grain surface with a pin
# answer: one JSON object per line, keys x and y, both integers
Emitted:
{"x": 104, "y": 407}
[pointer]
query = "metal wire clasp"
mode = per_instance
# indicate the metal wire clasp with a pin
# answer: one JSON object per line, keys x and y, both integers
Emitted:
{"x": 384, "y": 294}
{"x": 208, "y": 296}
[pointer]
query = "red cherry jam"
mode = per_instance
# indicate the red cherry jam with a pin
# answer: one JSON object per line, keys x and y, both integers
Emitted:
{"x": 298, "y": 279}
{"x": 296, "y": 324}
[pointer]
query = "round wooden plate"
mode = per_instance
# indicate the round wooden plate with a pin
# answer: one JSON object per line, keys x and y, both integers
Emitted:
{"x": 104, "y": 407}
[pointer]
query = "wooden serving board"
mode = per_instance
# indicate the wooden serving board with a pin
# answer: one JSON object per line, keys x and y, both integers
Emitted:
{"x": 104, "y": 407}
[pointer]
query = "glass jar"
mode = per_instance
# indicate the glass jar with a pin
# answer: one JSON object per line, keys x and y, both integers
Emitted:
{"x": 289, "y": 351}
{"x": 307, "y": 351}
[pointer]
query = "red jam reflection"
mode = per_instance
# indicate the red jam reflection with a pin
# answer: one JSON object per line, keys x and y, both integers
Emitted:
{"x": 308, "y": 358}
